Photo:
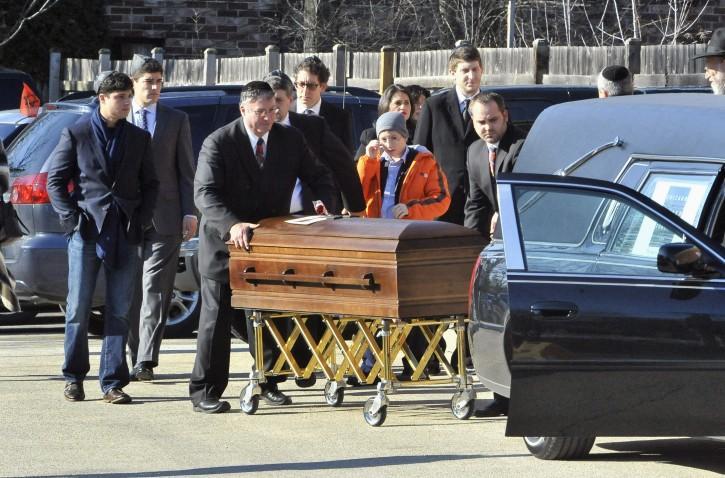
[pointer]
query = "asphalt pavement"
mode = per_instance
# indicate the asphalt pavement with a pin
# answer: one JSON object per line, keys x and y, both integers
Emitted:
{"x": 158, "y": 435}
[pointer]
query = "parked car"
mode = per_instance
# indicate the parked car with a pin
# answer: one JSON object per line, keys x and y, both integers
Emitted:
{"x": 17, "y": 89}
{"x": 12, "y": 123}
{"x": 599, "y": 306}
{"x": 39, "y": 260}
{"x": 526, "y": 102}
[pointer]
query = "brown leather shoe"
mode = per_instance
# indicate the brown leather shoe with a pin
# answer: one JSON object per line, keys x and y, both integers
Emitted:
{"x": 116, "y": 396}
{"x": 73, "y": 392}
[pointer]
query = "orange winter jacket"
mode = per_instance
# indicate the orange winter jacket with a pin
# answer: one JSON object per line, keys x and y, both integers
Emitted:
{"x": 424, "y": 188}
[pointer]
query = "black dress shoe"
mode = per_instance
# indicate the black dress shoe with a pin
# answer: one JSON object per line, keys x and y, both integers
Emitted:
{"x": 305, "y": 382}
{"x": 354, "y": 382}
{"x": 73, "y": 392}
{"x": 142, "y": 373}
{"x": 497, "y": 407}
{"x": 274, "y": 397}
{"x": 116, "y": 396}
{"x": 212, "y": 405}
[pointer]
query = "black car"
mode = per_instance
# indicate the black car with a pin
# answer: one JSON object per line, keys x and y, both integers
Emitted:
{"x": 599, "y": 306}
{"x": 526, "y": 102}
{"x": 39, "y": 261}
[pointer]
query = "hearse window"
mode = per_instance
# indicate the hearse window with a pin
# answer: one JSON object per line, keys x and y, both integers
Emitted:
{"x": 641, "y": 236}
{"x": 555, "y": 226}
{"x": 683, "y": 194}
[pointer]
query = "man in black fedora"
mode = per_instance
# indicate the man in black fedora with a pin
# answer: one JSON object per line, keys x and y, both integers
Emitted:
{"x": 715, "y": 61}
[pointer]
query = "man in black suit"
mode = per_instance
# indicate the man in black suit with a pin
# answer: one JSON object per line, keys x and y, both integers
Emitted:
{"x": 324, "y": 144}
{"x": 311, "y": 77}
{"x": 445, "y": 128}
{"x": 494, "y": 153}
{"x": 246, "y": 172}
{"x": 110, "y": 164}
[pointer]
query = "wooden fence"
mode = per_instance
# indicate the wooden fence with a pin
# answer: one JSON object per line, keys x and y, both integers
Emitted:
{"x": 653, "y": 65}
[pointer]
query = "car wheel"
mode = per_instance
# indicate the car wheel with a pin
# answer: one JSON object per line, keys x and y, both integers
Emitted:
{"x": 95, "y": 322}
{"x": 184, "y": 312}
{"x": 559, "y": 448}
{"x": 182, "y": 320}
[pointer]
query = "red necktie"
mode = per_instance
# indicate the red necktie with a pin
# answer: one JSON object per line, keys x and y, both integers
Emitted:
{"x": 492, "y": 161}
{"x": 259, "y": 152}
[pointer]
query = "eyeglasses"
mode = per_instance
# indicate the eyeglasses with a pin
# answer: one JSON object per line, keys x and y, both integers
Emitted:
{"x": 306, "y": 84}
{"x": 268, "y": 113}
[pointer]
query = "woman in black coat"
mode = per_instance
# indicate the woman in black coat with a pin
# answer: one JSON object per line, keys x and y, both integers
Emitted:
{"x": 395, "y": 98}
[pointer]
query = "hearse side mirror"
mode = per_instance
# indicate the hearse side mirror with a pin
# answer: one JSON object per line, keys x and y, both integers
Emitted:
{"x": 683, "y": 258}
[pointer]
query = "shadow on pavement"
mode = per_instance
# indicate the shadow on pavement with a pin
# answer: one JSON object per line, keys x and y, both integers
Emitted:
{"x": 333, "y": 465}
{"x": 697, "y": 453}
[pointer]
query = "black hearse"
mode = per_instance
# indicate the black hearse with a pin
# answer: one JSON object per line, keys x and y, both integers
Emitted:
{"x": 599, "y": 306}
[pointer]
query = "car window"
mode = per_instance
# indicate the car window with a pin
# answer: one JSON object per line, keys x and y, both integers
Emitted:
{"x": 577, "y": 231}
{"x": 30, "y": 150}
{"x": 10, "y": 91}
{"x": 201, "y": 120}
{"x": 683, "y": 194}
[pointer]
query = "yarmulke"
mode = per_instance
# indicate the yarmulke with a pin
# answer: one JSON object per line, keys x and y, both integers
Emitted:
{"x": 615, "y": 73}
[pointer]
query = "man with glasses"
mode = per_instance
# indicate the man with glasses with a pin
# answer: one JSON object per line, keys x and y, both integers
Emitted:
{"x": 311, "y": 77}
{"x": 247, "y": 171}
{"x": 174, "y": 216}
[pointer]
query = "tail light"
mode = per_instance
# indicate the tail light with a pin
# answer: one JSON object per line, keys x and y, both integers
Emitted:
{"x": 471, "y": 284}
{"x": 30, "y": 189}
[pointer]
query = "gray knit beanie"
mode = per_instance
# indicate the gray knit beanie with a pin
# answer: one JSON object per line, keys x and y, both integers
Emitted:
{"x": 392, "y": 120}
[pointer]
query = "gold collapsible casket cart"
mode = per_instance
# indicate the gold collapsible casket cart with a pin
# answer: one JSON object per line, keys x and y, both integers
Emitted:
{"x": 376, "y": 277}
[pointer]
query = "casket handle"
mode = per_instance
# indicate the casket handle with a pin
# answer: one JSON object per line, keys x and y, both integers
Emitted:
{"x": 327, "y": 279}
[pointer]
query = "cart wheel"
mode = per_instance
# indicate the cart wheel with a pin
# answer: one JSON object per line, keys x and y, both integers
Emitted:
{"x": 248, "y": 406}
{"x": 461, "y": 411}
{"x": 374, "y": 419}
{"x": 334, "y": 399}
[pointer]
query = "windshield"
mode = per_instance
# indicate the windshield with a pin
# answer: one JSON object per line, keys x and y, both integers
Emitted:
{"x": 30, "y": 150}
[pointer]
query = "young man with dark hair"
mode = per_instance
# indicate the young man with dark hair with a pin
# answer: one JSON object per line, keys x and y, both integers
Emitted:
{"x": 110, "y": 164}
{"x": 445, "y": 128}
{"x": 174, "y": 217}
{"x": 311, "y": 77}
{"x": 247, "y": 171}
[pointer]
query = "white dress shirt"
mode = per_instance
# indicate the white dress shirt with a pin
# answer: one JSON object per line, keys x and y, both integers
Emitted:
{"x": 150, "y": 116}
{"x": 301, "y": 108}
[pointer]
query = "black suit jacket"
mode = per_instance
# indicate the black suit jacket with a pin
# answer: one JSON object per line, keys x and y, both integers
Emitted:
{"x": 481, "y": 202}
{"x": 230, "y": 187}
{"x": 333, "y": 154}
{"x": 441, "y": 129}
{"x": 340, "y": 122}
{"x": 133, "y": 185}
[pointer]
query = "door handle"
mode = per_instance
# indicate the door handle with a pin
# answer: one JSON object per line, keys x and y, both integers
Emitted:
{"x": 554, "y": 310}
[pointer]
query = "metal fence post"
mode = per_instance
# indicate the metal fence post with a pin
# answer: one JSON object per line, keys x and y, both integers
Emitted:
{"x": 158, "y": 54}
{"x": 541, "y": 60}
{"x": 104, "y": 59}
{"x": 387, "y": 67}
{"x": 340, "y": 53}
{"x": 210, "y": 66}
{"x": 633, "y": 53}
{"x": 54, "y": 75}
{"x": 274, "y": 59}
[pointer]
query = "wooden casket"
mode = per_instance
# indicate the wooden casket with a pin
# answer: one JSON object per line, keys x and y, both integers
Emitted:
{"x": 378, "y": 268}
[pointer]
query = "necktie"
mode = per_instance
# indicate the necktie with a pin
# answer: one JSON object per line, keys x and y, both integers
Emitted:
{"x": 309, "y": 112}
{"x": 492, "y": 160}
{"x": 144, "y": 120}
{"x": 465, "y": 114}
{"x": 259, "y": 152}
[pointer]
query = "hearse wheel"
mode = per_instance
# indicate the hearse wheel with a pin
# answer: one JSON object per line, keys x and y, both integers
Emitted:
{"x": 559, "y": 448}
{"x": 334, "y": 394}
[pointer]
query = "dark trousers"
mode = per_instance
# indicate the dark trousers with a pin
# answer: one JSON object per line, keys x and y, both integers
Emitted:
{"x": 210, "y": 375}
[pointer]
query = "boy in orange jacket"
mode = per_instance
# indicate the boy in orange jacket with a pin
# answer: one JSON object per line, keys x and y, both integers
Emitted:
{"x": 399, "y": 181}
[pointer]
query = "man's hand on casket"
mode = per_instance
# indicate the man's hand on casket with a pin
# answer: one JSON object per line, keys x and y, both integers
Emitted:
{"x": 241, "y": 234}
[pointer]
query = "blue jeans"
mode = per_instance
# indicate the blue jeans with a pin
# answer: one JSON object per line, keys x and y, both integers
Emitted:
{"x": 83, "y": 268}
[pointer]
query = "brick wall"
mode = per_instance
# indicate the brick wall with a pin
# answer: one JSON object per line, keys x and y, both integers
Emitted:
{"x": 185, "y": 29}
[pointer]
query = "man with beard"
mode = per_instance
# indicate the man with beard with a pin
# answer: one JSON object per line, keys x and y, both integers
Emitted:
{"x": 715, "y": 61}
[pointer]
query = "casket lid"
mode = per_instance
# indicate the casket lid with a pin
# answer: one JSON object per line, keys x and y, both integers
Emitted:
{"x": 360, "y": 231}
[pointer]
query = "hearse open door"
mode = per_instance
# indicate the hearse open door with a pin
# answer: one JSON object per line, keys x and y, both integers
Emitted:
{"x": 617, "y": 312}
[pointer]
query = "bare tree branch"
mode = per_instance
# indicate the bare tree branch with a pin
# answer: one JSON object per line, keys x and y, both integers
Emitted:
{"x": 31, "y": 10}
